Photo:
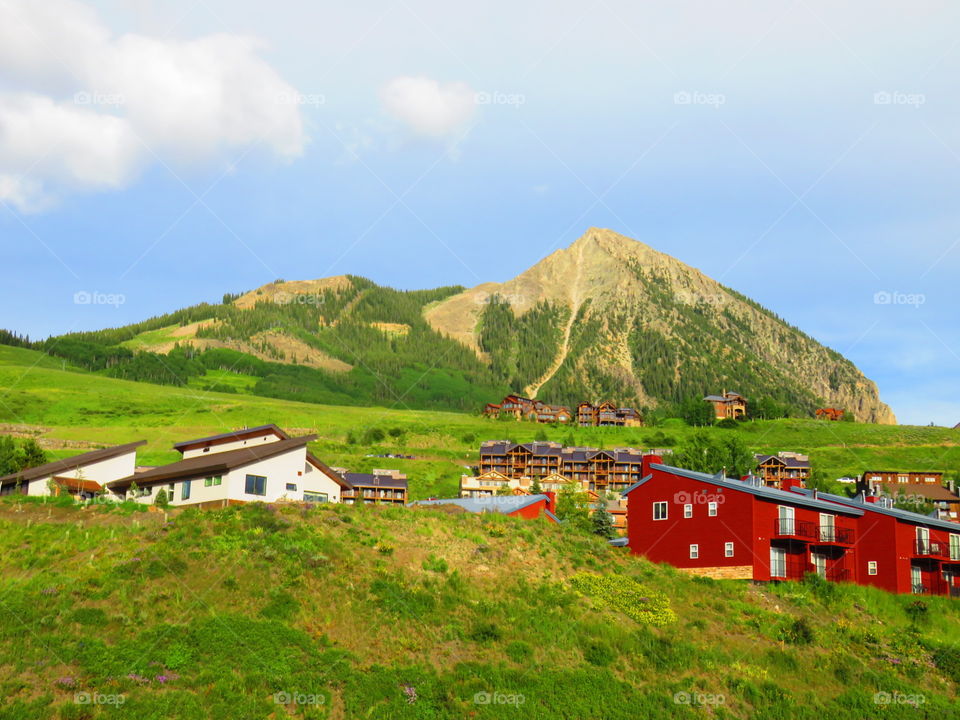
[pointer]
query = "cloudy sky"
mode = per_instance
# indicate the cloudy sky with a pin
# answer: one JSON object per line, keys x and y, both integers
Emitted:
{"x": 805, "y": 154}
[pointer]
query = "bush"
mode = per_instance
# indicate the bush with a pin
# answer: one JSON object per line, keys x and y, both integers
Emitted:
{"x": 162, "y": 500}
{"x": 598, "y": 654}
{"x": 799, "y": 632}
{"x": 627, "y": 596}
{"x": 485, "y": 632}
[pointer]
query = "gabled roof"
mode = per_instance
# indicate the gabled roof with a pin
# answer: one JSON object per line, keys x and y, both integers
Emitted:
{"x": 931, "y": 491}
{"x": 366, "y": 480}
{"x": 766, "y": 493}
{"x": 905, "y": 515}
{"x": 241, "y": 434}
{"x": 505, "y": 504}
{"x": 212, "y": 464}
{"x": 58, "y": 467}
{"x": 786, "y": 461}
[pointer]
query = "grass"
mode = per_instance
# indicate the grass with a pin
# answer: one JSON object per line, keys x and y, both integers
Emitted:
{"x": 222, "y": 614}
{"x": 67, "y": 408}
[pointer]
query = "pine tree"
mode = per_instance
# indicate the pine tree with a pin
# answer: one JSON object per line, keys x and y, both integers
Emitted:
{"x": 602, "y": 520}
{"x": 535, "y": 488}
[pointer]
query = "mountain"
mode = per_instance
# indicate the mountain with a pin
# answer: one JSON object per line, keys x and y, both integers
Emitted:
{"x": 606, "y": 318}
{"x": 638, "y": 325}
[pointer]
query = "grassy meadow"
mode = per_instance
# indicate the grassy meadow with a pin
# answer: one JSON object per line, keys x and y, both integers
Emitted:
{"x": 70, "y": 410}
{"x": 349, "y": 612}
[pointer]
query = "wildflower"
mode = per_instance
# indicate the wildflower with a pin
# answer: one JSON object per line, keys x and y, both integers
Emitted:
{"x": 411, "y": 692}
{"x": 67, "y": 681}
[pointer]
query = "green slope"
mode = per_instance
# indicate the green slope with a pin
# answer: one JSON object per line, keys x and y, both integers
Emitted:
{"x": 364, "y": 612}
{"x": 67, "y": 408}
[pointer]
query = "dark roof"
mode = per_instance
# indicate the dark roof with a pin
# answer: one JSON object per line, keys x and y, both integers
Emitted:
{"x": 370, "y": 480}
{"x": 931, "y": 491}
{"x": 760, "y": 491}
{"x": 60, "y": 466}
{"x": 505, "y": 504}
{"x": 212, "y": 464}
{"x": 241, "y": 434}
{"x": 860, "y": 504}
{"x": 787, "y": 461}
{"x": 904, "y": 472}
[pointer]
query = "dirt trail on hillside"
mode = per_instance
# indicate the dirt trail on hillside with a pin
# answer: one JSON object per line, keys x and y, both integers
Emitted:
{"x": 576, "y": 300}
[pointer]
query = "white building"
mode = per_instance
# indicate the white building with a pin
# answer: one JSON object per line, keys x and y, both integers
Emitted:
{"x": 82, "y": 475}
{"x": 261, "y": 464}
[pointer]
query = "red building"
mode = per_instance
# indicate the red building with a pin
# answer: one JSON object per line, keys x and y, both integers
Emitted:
{"x": 903, "y": 552}
{"x": 725, "y": 528}
{"x": 732, "y": 529}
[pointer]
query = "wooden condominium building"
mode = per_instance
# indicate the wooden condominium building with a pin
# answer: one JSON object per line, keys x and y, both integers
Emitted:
{"x": 728, "y": 405}
{"x": 784, "y": 470}
{"x": 607, "y": 414}
{"x": 378, "y": 486}
{"x": 509, "y": 465}
{"x": 913, "y": 487}
{"x": 521, "y": 408}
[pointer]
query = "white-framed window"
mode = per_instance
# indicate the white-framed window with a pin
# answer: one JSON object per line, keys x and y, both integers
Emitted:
{"x": 712, "y": 509}
{"x": 660, "y": 510}
{"x": 954, "y": 546}
{"x": 728, "y": 549}
{"x": 694, "y": 552}
{"x": 688, "y": 510}
{"x": 872, "y": 567}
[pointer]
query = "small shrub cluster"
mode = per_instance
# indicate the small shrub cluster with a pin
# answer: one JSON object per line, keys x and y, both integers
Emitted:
{"x": 627, "y": 596}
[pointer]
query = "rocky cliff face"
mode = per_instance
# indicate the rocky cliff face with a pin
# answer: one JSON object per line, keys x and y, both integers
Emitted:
{"x": 647, "y": 328}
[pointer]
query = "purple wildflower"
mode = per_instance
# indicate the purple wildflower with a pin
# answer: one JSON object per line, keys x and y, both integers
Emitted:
{"x": 67, "y": 681}
{"x": 411, "y": 692}
{"x": 49, "y": 591}
{"x": 137, "y": 678}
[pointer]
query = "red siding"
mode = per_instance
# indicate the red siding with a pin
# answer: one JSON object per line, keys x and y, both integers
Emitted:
{"x": 532, "y": 511}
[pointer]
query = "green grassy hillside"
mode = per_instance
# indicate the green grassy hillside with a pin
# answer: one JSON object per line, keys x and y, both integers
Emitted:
{"x": 70, "y": 409}
{"x": 380, "y": 612}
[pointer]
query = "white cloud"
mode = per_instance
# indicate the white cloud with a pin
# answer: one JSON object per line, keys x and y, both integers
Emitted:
{"x": 83, "y": 109}
{"x": 428, "y": 107}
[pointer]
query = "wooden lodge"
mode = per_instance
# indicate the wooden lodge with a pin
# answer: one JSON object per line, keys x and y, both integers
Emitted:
{"x": 607, "y": 414}
{"x": 784, "y": 470}
{"x": 728, "y": 405}
{"x": 521, "y": 408}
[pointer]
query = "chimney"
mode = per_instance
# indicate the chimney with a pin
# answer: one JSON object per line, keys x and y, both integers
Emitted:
{"x": 551, "y": 500}
{"x": 646, "y": 462}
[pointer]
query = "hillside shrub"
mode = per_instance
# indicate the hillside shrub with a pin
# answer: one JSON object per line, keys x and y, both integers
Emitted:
{"x": 627, "y": 596}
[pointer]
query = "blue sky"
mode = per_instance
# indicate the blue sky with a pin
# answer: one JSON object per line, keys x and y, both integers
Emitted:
{"x": 804, "y": 154}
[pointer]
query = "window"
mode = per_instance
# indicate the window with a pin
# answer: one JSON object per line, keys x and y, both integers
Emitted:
{"x": 872, "y": 567}
{"x": 315, "y": 497}
{"x": 292, "y": 487}
{"x": 185, "y": 490}
{"x": 902, "y": 478}
{"x": 660, "y": 510}
{"x": 728, "y": 549}
{"x": 256, "y": 485}
{"x": 712, "y": 509}
{"x": 954, "y": 546}
{"x": 211, "y": 481}
{"x": 694, "y": 552}
{"x": 688, "y": 511}
{"x": 171, "y": 488}
{"x": 146, "y": 492}
{"x": 778, "y": 562}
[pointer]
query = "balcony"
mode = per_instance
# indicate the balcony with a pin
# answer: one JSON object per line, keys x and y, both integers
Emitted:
{"x": 932, "y": 585}
{"x": 811, "y": 532}
{"x": 931, "y": 549}
{"x": 793, "y": 567}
